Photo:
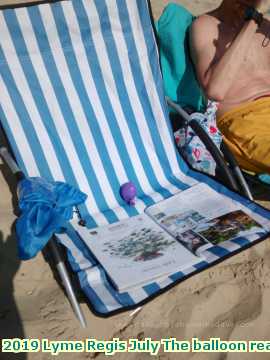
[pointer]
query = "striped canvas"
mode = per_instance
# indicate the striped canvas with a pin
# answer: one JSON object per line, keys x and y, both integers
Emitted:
{"x": 67, "y": 70}
{"x": 81, "y": 101}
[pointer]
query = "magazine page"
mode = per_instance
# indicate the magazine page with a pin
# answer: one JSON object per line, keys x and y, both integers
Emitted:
{"x": 229, "y": 226}
{"x": 136, "y": 251}
{"x": 200, "y": 218}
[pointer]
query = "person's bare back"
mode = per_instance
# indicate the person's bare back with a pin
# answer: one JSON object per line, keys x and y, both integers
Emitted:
{"x": 246, "y": 77}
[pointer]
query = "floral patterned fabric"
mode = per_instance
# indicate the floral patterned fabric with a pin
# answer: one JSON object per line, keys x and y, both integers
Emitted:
{"x": 192, "y": 147}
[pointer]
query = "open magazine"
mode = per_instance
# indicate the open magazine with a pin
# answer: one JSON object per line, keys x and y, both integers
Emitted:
{"x": 169, "y": 236}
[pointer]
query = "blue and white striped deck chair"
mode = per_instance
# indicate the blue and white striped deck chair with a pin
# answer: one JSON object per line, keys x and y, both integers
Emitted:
{"x": 82, "y": 101}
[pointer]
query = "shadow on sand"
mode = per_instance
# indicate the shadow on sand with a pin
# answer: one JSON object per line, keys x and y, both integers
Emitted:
{"x": 10, "y": 321}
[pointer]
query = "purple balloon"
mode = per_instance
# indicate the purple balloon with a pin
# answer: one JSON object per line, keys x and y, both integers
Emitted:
{"x": 128, "y": 193}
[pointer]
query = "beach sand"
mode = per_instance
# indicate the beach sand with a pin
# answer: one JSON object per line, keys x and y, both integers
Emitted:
{"x": 230, "y": 301}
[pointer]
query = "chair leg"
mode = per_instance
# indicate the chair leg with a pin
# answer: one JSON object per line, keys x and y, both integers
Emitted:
{"x": 240, "y": 177}
{"x": 236, "y": 170}
{"x": 60, "y": 265}
{"x": 62, "y": 270}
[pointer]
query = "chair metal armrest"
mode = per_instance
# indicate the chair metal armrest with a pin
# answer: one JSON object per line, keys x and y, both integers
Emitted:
{"x": 228, "y": 155}
{"x": 209, "y": 144}
{"x": 179, "y": 110}
{"x": 12, "y": 165}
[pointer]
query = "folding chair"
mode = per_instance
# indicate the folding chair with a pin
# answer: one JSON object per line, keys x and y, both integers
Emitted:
{"x": 228, "y": 170}
{"x": 82, "y": 101}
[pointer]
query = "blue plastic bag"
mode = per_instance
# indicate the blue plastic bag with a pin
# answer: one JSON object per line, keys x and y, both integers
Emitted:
{"x": 46, "y": 207}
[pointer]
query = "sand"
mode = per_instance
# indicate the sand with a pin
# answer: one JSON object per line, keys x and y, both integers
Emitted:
{"x": 230, "y": 301}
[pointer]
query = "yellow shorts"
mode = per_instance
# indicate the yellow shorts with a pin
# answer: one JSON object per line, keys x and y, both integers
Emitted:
{"x": 246, "y": 130}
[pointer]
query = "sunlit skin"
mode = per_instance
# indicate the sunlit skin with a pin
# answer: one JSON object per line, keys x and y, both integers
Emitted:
{"x": 231, "y": 55}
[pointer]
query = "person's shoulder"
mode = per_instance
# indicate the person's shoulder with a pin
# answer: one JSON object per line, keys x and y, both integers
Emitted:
{"x": 206, "y": 22}
{"x": 204, "y": 29}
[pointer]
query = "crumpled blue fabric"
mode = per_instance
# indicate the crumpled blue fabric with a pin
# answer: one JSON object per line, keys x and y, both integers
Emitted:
{"x": 46, "y": 207}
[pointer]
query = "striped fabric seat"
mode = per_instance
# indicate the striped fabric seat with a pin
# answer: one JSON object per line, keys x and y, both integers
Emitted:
{"x": 81, "y": 101}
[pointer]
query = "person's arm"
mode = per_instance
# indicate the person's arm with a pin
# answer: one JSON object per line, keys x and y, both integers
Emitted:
{"x": 216, "y": 75}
